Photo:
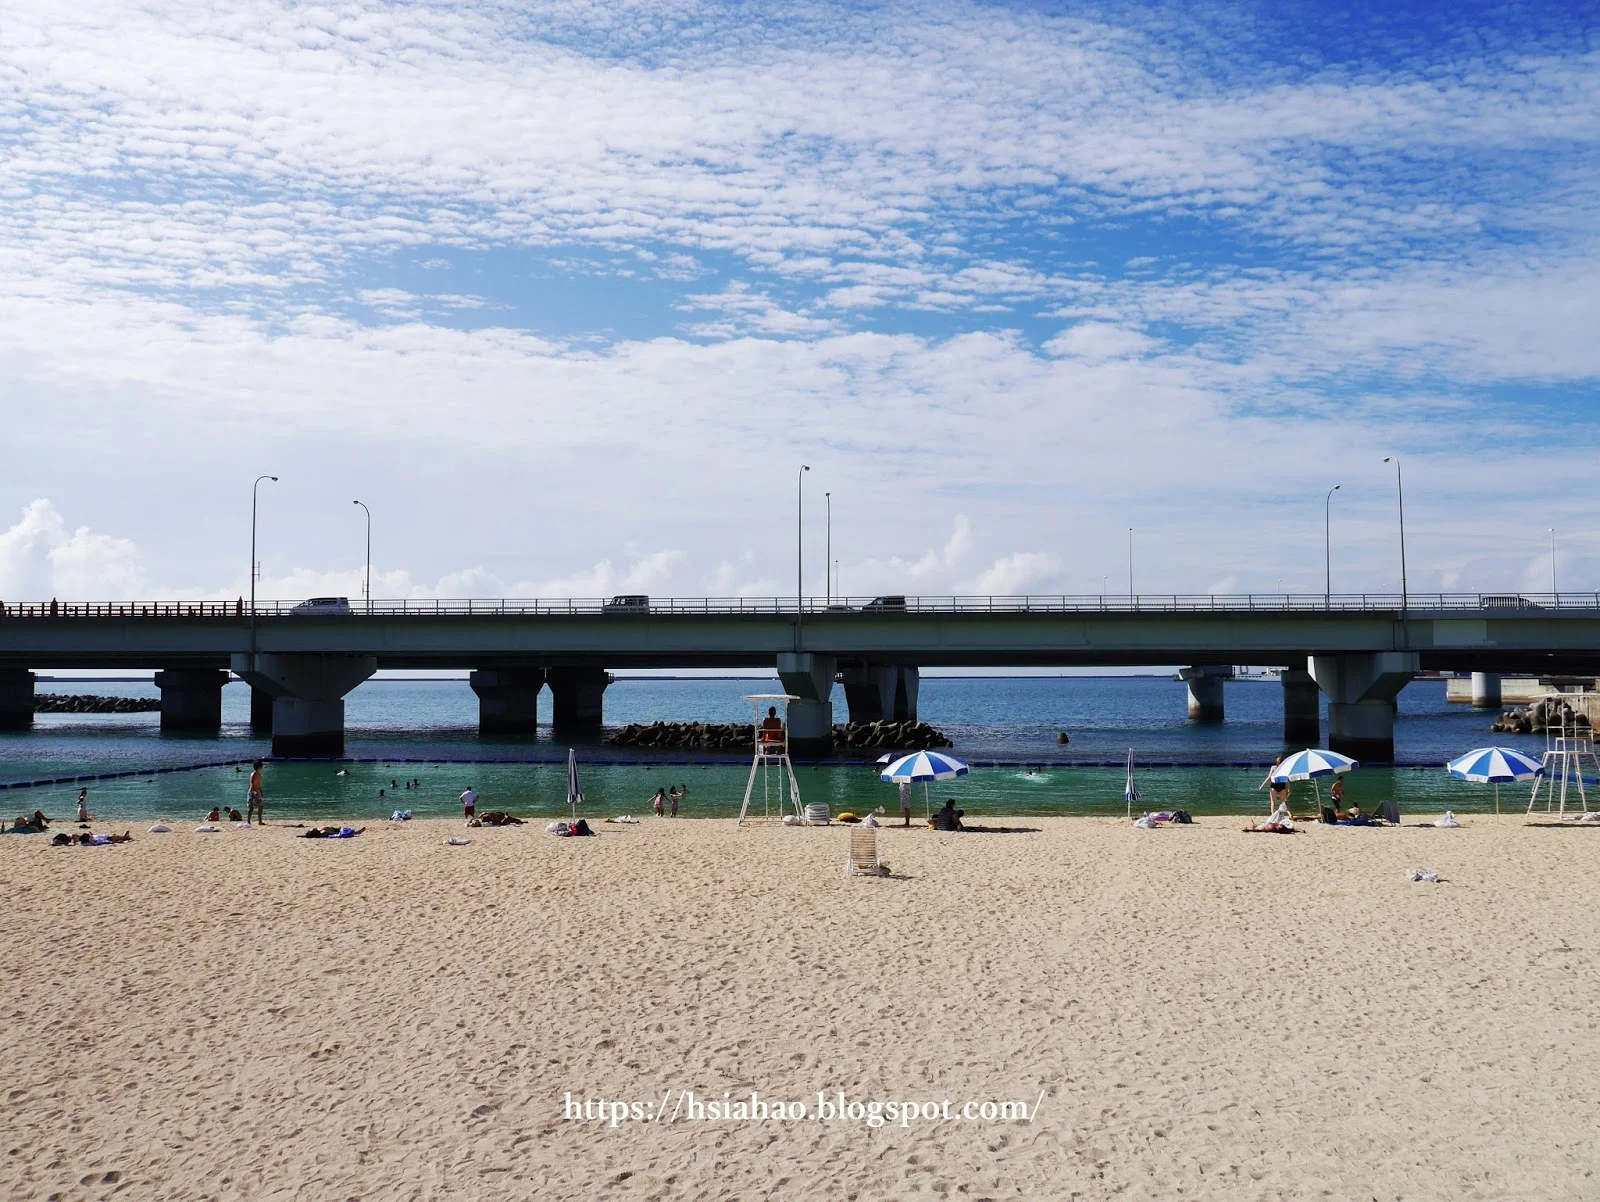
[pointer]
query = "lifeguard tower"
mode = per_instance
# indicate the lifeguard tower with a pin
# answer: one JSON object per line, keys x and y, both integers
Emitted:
{"x": 1568, "y": 749}
{"x": 771, "y": 735}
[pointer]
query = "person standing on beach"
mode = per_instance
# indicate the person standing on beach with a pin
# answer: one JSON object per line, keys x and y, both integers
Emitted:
{"x": 905, "y": 800}
{"x": 674, "y": 797}
{"x": 83, "y": 806}
{"x": 255, "y": 807}
{"x": 469, "y": 804}
{"x": 658, "y": 803}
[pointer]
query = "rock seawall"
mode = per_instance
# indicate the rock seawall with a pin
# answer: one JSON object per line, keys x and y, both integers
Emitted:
{"x": 89, "y": 703}
{"x": 736, "y": 736}
{"x": 1550, "y": 714}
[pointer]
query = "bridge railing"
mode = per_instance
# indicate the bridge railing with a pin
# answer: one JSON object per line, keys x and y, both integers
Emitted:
{"x": 1419, "y": 604}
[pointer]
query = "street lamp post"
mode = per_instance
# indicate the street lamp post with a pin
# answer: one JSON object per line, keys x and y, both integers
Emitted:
{"x": 366, "y": 587}
{"x": 1327, "y": 549}
{"x": 254, "y": 489}
{"x": 1400, "y": 492}
{"x": 799, "y": 552}
{"x": 1554, "y": 591}
{"x": 1130, "y": 565}
{"x": 827, "y": 561}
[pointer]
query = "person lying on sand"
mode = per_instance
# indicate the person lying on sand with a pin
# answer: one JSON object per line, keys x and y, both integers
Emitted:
{"x": 39, "y": 820}
{"x": 86, "y": 839}
{"x": 24, "y": 825}
{"x": 332, "y": 832}
{"x": 1280, "y": 823}
{"x": 499, "y": 818}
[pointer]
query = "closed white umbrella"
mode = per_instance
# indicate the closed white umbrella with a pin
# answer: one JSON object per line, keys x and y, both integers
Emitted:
{"x": 1130, "y": 792}
{"x": 574, "y": 793}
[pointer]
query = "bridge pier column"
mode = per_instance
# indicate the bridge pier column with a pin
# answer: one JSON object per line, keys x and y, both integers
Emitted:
{"x": 577, "y": 699}
{"x": 875, "y": 692}
{"x": 1302, "y": 708}
{"x": 307, "y": 697}
{"x": 191, "y": 700}
{"x": 1205, "y": 690}
{"x": 260, "y": 711}
{"x": 16, "y": 699}
{"x": 1361, "y": 693}
{"x": 1486, "y": 690}
{"x": 508, "y": 700}
{"x": 810, "y": 678}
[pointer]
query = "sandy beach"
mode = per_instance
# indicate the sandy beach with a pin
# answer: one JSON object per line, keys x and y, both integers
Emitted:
{"x": 1206, "y": 1014}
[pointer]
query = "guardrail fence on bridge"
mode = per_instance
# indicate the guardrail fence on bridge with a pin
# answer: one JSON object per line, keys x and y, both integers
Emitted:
{"x": 1500, "y": 604}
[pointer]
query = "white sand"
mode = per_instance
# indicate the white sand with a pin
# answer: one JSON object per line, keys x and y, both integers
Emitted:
{"x": 1209, "y": 1014}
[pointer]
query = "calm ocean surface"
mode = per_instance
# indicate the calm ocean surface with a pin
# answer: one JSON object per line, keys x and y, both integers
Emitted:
{"x": 414, "y": 729}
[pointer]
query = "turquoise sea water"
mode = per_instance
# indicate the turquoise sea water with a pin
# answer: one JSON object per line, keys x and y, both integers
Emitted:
{"x": 399, "y": 730}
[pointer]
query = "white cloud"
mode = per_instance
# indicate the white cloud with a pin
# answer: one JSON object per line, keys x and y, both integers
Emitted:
{"x": 1015, "y": 575}
{"x": 41, "y": 558}
{"x": 1096, "y": 340}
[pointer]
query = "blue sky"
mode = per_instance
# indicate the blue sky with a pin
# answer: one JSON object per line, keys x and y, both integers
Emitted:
{"x": 567, "y": 291}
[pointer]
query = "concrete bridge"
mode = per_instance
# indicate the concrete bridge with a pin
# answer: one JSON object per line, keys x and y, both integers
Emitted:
{"x": 1360, "y": 650}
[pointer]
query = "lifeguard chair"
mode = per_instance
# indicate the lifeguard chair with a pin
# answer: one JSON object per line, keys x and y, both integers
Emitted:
{"x": 771, "y": 740}
{"x": 1565, "y": 757}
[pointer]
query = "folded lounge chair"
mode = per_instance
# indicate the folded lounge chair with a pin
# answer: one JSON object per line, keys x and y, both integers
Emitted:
{"x": 863, "y": 860}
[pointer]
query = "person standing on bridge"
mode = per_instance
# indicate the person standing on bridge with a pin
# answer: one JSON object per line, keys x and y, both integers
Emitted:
{"x": 255, "y": 806}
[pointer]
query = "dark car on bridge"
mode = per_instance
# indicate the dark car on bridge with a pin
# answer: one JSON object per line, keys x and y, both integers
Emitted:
{"x": 628, "y": 603}
{"x": 877, "y": 604}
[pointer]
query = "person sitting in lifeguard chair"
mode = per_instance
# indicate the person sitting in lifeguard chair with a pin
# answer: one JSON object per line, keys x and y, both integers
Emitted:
{"x": 771, "y": 733}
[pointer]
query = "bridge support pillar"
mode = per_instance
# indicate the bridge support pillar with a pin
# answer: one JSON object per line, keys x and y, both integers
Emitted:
{"x": 307, "y": 697}
{"x": 1361, "y": 693}
{"x": 876, "y": 692}
{"x": 1486, "y": 690}
{"x": 576, "y": 699}
{"x": 1302, "y": 708}
{"x": 191, "y": 700}
{"x": 508, "y": 700}
{"x": 260, "y": 711}
{"x": 810, "y": 678}
{"x": 16, "y": 699}
{"x": 1205, "y": 690}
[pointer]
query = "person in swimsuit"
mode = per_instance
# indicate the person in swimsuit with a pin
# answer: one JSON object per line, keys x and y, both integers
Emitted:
{"x": 256, "y": 806}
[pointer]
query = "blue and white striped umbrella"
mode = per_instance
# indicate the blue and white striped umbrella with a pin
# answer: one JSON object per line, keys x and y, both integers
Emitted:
{"x": 924, "y": 765}
{"x": 1311, "y": 763}
{"x": 1492, "y": 765}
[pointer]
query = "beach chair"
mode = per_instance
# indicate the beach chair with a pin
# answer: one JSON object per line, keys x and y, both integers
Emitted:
{"x": 863, "y": 859}
{"x": 817, "y": 814}
{"x": 1389, "y": 811}
{"x": 1329, "y": 816}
